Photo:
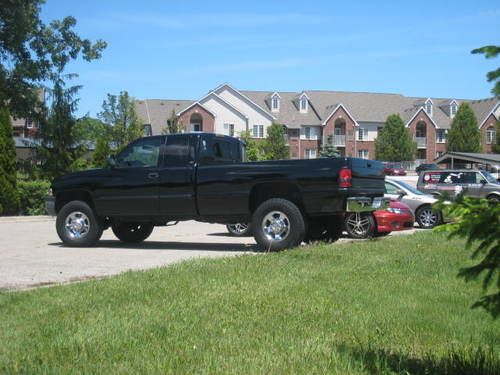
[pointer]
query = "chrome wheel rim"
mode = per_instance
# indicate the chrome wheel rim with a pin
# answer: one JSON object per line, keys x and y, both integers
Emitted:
{"x": 238, "y": 228}
{"x": 276, "y": 226}
{"x": 358, "y": 224}
{"x": 77, "y": 225}
{"x": 428, "y": 218}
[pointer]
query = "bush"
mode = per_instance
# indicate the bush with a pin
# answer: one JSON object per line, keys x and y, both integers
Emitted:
{"x": 32, "y": 196}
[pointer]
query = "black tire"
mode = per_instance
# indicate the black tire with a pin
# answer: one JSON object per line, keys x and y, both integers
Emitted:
{"x": 360, "y": 224}
{"x": 326, "y": 229}
{"x": 77, "y": 225}
{"x": 240, "y": 229}
{"x": 427, "y": 217}
{"x": 132, "y": 232}
{"x": 493, "y": 199}
{"x": 283, "y": 214}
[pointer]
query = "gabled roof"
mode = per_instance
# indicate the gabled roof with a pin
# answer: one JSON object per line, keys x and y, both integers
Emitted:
{"x": 249, "y": 100}
{"x": 484, "y": 108}
{"x": 192, "y": 105}
{"x": 220, "y": 99}
{"x": 157, "y": 111}
{"x": 335, "y": 109}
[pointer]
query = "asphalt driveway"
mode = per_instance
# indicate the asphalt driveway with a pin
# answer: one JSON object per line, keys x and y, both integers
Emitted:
{"x": 32, "y": 255}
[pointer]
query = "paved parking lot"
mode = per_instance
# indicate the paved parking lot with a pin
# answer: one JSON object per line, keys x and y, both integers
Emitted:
{"x": 31, "y": 253}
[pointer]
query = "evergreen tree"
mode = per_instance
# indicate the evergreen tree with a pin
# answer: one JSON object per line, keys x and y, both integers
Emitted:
{"x": 394, "y": 141}
{"x": 464, "y": 135}
{"x": 101, "y": 153}
{"x": 9, "y": 199}
{"x": 274, "y": 147}
{"x": 328, "y": 150}
{"x": 174, "y": 124}
{"x": 59, "y": 148}
{"x": 491, "y": 52}
{"x": 119, "y": 113}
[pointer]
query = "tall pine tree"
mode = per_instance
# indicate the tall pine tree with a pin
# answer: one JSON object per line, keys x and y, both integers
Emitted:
{"x": 9, "y": 199}
{"x": 394, "y": 142}
{"x": 464, "y": 135}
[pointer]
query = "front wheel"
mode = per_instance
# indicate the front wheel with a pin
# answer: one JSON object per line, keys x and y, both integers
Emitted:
{"x": 278, "y": 224}
{"x": 132, "y": 232}
{"x": 239, "y": 229}
{"x": 360, "y": 224}
{"x": 77, "y": 225}
{"x": 427, "y": 217}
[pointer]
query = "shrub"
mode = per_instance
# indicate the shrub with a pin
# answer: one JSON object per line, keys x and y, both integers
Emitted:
{"x": 32, "y": 196}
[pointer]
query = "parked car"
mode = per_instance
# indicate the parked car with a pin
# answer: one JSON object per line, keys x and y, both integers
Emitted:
{"x": 419, "y": 203}
{"x": 474, "y": 183}
{"x": 240, "y": 229}
{"x": 398, "y": 216}
{"x": 394, "y": 169}
{"x": 426, "y": 167}
{"x": 164, "y": 179}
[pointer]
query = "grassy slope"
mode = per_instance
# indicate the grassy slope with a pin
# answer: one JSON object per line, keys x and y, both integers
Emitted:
{"x": 376, "y": 306}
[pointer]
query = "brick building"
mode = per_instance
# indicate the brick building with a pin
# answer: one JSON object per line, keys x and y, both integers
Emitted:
{"x": 353, "y": 118}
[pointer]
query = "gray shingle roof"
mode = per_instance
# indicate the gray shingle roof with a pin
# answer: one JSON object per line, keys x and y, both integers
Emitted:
{"x": 157, "y": 111}
{"x": 363, "y": 106}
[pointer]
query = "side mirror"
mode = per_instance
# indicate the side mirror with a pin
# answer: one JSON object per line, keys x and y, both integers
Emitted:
{"x": 112, "y": 161}
{"x": 483, "y": 182}
{"x": 401, "y": 193}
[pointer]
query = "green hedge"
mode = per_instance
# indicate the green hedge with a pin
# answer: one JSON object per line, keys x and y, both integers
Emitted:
{"x": 32, "y": 196}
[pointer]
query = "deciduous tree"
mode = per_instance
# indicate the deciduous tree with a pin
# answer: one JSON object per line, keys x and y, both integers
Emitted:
{"x": 101, "y": 153}
{"x": 274, "y": 146}
{"x": 252, "y": 148}
{"x": 174, "y": 124}
{"x": 394, "y": 141}
{"x": 464, "y": 134}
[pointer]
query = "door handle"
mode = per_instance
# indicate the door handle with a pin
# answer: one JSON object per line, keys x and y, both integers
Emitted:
{"x": 153, "y": 175}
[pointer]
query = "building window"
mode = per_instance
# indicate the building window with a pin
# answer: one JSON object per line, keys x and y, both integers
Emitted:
{"x": 275, "y": 103}
{"x": 303, "y": 104}
{"x": 453, "y": 109}
{"x": 362, "y": 134}
{"x": 363, "y": 154}
{"x": 441, "y": 136}
{"x": 258, "y": 131}
{"x": 490, "y": 135}
{"x": 148, "y": 132}
{"x": 428, "y": 107}
{"x": 310, "y": 153}
{"x": 29, "y": 123}
{"x": 307, "y": 131}
{"x": 229, "y": 129}
{"x": 196, "y": 127}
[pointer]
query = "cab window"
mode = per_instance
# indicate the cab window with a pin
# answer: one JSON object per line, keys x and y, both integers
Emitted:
{"x": 142, "y": 153}
{"x": 390, "y": 189}
{"x": 219, "y": 151}
{"x": 177, "y": 151}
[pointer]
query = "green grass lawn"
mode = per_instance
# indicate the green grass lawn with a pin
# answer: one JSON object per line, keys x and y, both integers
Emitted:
{"x": 387, "y": 306}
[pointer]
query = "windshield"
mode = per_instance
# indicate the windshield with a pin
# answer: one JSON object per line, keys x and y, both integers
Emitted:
{"x": 407, "y": 187}
{"x": 489, "y": 177}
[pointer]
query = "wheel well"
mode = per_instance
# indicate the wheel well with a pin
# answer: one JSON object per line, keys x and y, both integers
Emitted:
{"x": 493, "y": 195}
{"x": 74, "y": 195}
{"x": 262, "y": 192}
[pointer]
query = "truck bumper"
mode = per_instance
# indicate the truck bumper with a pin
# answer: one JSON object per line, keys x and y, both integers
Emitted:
{"x": 50, "y": 205}
{"x": 367, "y": 204}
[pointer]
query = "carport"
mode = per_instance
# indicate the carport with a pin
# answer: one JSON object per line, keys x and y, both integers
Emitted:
{"x": 458, "y": 159}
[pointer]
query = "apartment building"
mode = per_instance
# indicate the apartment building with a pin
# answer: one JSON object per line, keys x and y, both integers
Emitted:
{"x": 352, "y": 118}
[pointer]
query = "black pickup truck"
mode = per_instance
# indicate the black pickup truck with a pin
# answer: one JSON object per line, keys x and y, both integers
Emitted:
{"x": 161, "y": 180}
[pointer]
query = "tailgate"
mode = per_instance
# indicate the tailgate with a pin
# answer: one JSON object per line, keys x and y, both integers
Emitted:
{"x": 368, "y": 177}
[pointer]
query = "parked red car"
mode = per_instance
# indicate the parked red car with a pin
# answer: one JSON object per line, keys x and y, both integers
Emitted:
{"x": 394, "y": 169}
{"x": 397, "y": 216}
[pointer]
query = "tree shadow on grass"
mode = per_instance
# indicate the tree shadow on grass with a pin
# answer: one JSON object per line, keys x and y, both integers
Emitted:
{"x": 167, "y": 245}
{"x": 474, "y": 362}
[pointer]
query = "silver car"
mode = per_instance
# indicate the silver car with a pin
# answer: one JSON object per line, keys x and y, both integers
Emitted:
{"x": 420, "y": 203}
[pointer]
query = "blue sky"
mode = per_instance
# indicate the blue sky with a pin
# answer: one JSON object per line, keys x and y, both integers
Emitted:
{"x": 182, "y": 49}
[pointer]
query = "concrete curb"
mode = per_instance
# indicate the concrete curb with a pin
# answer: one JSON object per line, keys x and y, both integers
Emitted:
{"x": 23, "y": 219}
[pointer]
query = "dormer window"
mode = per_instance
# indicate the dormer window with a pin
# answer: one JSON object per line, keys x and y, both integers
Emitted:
{"x": 428, "y": 107}
{"x": 275, "y": 102}
{"x": 453, "y": 109}
{"x": 303, "y": 103}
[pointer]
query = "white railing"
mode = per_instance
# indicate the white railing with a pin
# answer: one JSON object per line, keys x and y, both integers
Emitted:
{"x": 421, "y": 142}
{"x": 339, "y": 140}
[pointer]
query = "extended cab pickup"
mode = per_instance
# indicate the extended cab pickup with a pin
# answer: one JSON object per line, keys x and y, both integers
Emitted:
{"x": 164, "y": 179}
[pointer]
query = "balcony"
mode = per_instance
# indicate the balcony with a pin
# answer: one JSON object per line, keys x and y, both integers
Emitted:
{"x": 339, "y": 140}
{"x": 421, "y": 142}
